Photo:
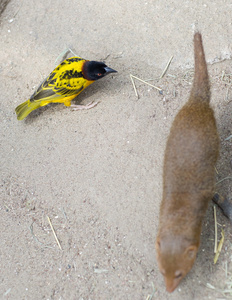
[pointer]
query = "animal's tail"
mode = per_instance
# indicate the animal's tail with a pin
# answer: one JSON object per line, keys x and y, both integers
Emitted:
{"x": 25, "y": 108}
{"x": 201, "y": 85}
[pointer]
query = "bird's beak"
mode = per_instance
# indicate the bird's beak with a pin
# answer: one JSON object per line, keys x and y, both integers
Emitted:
{"x": 109, "y": 70}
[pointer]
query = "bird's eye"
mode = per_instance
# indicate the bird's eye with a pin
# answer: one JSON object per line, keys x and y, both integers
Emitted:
{"x": 99, "y": 74}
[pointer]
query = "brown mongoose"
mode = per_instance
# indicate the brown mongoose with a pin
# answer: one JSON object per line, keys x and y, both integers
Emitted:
{"x": 188, "y": 177}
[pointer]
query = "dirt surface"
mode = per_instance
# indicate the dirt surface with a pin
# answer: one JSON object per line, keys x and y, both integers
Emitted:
{"x": 97, "y": 174}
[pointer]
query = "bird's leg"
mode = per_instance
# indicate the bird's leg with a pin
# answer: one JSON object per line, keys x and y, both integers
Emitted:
{"x": 88, "y": 106}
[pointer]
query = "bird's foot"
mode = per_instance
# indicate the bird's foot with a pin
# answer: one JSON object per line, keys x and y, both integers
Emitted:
{"x": 88, "y": 106}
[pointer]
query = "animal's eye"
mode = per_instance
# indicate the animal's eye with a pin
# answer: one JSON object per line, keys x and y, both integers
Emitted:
{"x": 178, "y": 274}
{"x": 99, "y": 74}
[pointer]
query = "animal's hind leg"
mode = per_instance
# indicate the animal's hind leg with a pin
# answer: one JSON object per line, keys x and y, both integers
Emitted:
{"x": 225, "y": 204}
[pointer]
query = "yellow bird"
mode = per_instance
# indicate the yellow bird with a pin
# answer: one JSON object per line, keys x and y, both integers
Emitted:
{"x": 64, "y": 83}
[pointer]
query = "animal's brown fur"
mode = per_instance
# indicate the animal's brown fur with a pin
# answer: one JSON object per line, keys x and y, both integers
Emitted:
{"x": 188, "y": 177}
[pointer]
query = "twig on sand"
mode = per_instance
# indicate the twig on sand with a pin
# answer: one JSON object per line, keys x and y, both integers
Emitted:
{"x": 215, "y": 226}
{"x": 53, "y": 231}
{"x": 100, "y": 271}
{"x": 228, "y": 177}
{"x": 132, "y": 77}
{"x": 64, "y": 54}
{"x": 228, "y": 138}
{"x": 166, "y": 68}
{"x": 159, "y": 89}
{"x": 149, "y": 297}
{"x": 36, "y": 239}
{"x": 136, "y": 93}
{"x": 219, "y": 248}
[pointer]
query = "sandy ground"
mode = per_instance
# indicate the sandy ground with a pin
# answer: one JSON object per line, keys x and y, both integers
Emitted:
{"x": 97, "y": 174}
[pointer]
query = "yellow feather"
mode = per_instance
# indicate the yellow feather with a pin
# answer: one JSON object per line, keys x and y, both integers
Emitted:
{"x": 25, "y": 108}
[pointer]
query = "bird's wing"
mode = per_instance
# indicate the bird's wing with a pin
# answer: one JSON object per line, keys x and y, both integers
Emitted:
{"x": 66, "y": 80}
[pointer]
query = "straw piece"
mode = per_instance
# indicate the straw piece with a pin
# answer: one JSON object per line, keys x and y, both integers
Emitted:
{"x": 159, "y": 89}
{"x": 53, "y": 231}
{"x": 228, "y": 138}
{"x": 215, "y": 225}
{"x": 132, "y": 80}
{"x": 166, "y": 68}
{"x": 219, "y": 248}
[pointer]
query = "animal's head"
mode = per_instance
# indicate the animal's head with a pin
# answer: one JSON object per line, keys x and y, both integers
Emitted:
{"x": 175, "y": 258}
{"x": 94, "y": 70}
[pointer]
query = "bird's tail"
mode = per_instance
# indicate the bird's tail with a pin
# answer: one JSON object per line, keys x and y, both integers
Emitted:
{"x": 25, "y": 108}
{"x": 201, "y": 86}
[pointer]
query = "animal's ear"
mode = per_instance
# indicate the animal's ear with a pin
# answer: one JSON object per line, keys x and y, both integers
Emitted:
{"x": 191, "y": 252}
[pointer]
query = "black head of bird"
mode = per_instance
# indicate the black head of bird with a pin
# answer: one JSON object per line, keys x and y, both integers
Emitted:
{"x": 94, "y": 70}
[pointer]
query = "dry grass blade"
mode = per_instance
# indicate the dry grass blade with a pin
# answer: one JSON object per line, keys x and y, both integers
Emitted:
{"x": 215, "y": 225}
{"x": 228, "y": 138}
{"x": 166, "y": 68}
{"x": 143, "y": 81}
{"x": 229, "y": 177}
{"x": 7, "y": 292}
{"x": 210, "y": 286}
{"x": 64, "y": 55}
{"x": 53, "y": 231}
{"x": 188, "y": 76}
{"x": 226, "y": 96}
{"x": 226, "y": 292}
{"x": 149, "y": 297}
{"x": 132, "y": 80}
{"x": 219, "y": 248}
{"x": 100, "y": 271}
{"x": 226, "y": 77}
{"x": 64, "y": 213}
{"x": 36, "y": 239}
